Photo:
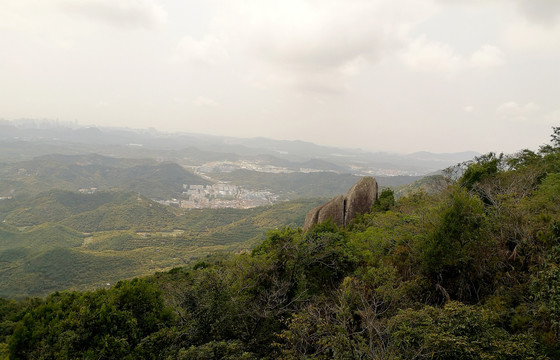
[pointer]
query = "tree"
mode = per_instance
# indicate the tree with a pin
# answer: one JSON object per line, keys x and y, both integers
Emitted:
{"x": 451, "y": 253}
{"x": 555, "y": 137}
{"x": 107, "y": 324}
{"x": 385, "y": 201}
{"x": 458, "y": 332}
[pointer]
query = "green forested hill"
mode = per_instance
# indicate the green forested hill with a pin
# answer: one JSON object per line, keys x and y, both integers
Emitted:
{"x": 43, "y": 236}
{"x": 292, "y": 185}
{"x": 93, "y": 212}
{"x": 305, "y": 185}
{"x": 470, "y": 272}
{"x": 430, "y": 184}
{"x": 60, "y": 239}
{"x": 73, "y": 172}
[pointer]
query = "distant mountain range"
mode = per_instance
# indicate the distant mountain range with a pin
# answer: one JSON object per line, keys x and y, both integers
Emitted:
{"x": 27, "y": 139}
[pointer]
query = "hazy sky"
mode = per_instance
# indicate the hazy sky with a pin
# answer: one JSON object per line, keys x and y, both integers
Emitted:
{"x": 402, "y": 76}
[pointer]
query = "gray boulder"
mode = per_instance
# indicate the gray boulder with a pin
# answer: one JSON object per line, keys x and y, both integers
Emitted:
{"x": 333, "y": 210}
{"x": 342, "y": 210}
{"x": 360, "y": 198}
{"x": 312, "y": 217}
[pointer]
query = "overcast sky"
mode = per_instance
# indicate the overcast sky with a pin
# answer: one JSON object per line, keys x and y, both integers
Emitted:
{"x": 399, "y": 76}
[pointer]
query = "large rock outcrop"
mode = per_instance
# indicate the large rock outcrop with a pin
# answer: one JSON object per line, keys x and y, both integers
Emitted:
{"x": 360, "y": 198}
{"x": 334, "y": 210}
{"x": 343, "y": 209}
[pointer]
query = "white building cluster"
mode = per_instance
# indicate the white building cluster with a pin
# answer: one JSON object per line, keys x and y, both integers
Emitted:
{"x": 224, "y": 195}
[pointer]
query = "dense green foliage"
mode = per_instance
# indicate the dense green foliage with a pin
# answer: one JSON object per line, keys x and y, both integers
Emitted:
{"x": 64, "y": 240}
{"x": 99, "y": 324}
{"x": 469, "y": 273}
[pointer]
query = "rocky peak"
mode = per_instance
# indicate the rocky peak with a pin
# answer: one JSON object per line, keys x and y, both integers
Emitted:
{"x": 343, "y": 209}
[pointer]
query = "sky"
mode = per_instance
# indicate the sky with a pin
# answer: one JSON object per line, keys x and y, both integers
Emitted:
{"x": 380, "y": 75}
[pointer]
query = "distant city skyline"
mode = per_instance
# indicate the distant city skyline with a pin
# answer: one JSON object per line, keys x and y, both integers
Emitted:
{"x": 380, "y": 75}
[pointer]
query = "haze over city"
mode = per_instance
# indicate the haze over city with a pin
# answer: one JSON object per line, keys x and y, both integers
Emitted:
{"x": 435, "y": 75}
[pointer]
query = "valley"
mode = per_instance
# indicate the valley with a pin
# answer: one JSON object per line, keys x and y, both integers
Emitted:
{"x": 291, "y": 180}
{"x": 80, "y": 210}
{"x": 65, "y": 240}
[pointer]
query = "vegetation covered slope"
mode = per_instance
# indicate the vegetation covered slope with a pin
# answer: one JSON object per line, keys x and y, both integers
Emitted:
{"x": 64, "y": 240}
{"x": 305, "y": 185}
{"x": 72, "y": 172}
{"x": 430, "y": 184}
{"x": 90, "y": 212}
{"x": 468, "y": 273}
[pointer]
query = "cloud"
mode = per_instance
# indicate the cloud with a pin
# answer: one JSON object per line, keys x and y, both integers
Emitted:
{"x": 544, "y": 12}
{"x": 202, "y": 101}
{"x": 487, "y": 56}
{"x": 426, "y": 55}
{"x": 147, "y": 14}
{"x": 513, "y": 111}
{"x": 553, "y": 117}
{"x": 431, "y": 56}
{"x": 11, "y": 19}
{"x": 316, "y": 45}
{"x": 527, "y": 36}
{"x": 208, "y": 50}
{"x": 524, "y": 24}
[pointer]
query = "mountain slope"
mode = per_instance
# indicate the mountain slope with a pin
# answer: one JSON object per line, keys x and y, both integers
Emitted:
{"x": 73, "y": 172}
{"x": 469, "y": 272}
{"x": 305, "y": 185}
{"x": 59, "y": 240}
